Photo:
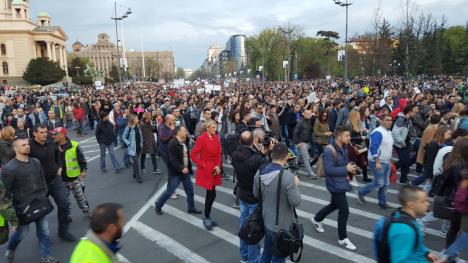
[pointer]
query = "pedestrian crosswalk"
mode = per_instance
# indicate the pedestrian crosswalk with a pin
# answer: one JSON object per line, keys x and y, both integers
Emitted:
{"x": 181, "y": 237}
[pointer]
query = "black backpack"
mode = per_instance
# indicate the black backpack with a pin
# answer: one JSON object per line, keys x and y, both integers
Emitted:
{"x": 381, "y": 245}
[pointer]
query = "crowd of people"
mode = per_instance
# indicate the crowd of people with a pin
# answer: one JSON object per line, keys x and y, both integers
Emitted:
{"x": 356, "y": 131}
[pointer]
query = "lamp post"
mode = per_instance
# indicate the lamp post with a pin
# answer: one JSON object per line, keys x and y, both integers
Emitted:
{"x": 116, "y": 19}
{"x": 345, "y": 4}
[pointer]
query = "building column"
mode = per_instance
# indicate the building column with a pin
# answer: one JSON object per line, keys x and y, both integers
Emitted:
{"x": 60, "y": 54}
{"x": 34, "y": 50}
{"x": 65, "y": 63}
{"x": 49, "y": 50}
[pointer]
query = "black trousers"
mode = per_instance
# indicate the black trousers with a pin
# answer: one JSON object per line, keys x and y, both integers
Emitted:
{"x": 338, "y": 201}
{"x": 209, "y": 200}
{"x": 452, "y": 233}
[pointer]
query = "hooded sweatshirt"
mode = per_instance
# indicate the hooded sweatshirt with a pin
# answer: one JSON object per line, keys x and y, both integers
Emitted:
{"x": 290, "y": 196}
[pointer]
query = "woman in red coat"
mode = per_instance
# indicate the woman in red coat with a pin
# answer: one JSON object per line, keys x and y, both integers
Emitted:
{"x": 206, "y": 154}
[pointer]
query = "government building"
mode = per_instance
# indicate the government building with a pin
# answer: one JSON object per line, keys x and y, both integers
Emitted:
{"x": 21, "y": 40}
{"x": 157, "y": 64}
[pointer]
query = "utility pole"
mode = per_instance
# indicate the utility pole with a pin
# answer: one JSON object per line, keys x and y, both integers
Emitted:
{"x": 346, "y": 5}
{"x": 116, "y": 19}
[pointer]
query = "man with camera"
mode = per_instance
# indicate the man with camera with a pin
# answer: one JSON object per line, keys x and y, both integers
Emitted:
{"x": 337, "y": 166}
{"x": 246, "y": 161}
{"x": 277, "y": 218}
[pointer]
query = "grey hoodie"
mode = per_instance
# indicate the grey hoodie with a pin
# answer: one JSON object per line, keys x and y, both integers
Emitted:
{"x": 290, "y": 196}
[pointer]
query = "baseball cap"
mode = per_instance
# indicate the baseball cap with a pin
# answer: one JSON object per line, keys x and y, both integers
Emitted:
{"x": 59, "y": 130}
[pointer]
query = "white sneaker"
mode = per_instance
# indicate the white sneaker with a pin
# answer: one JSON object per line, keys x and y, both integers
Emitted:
{"x": 317, "y": 225}
{"x": 174, "y": 196}
{"x": 354, "y": 182}
{"x": 347, "y": 244}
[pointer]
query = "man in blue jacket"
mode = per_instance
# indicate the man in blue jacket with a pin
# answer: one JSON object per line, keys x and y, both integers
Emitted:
{"x": 337, "y": 166}
{"x": 402, "y": 237}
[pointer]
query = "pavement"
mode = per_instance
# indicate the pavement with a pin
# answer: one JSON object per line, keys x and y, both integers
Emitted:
{"x": 177, "y": 236}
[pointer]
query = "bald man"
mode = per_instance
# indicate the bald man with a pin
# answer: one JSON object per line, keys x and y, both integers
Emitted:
{"x": 246, "y": 161}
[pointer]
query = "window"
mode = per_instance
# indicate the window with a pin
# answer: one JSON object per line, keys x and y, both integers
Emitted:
{"x": 5, "y": 67}
{"x": 3, "y": 49}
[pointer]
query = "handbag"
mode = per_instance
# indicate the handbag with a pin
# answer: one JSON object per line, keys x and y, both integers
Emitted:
{"x": 253, "y": 229}
{"x": 358, "y": 149}
{"x": 287, "y": 242}
{"x": 443, "y": 208}
{"x": 37, "y": 209}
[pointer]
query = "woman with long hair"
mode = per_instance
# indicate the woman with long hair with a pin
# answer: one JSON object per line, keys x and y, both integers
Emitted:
{"x": 206, "y": 154}
{"x": 321, "y": 133}
{"x": 441, "y": 136}
{"x": 133, "y": 141}
{"x": 358, "y": 141}
{"x": 455, "y": 163}
{"x": 149, "y": 143}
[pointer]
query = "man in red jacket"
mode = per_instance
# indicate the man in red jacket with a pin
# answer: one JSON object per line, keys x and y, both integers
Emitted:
{"x": 78, "y": 114}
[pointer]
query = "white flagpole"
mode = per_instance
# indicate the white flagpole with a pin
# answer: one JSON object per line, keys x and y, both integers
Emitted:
{"x": 142, "y": 58}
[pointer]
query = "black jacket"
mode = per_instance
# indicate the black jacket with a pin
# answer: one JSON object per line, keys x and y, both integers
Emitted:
{"x": 48, "y": 155}
{"x": 25, "y": 181}
{"x": 176, "y": 158}
{"x": 303, "y": 131}
{"x": 105, "y": 132}
{"x": 246, "y": 162}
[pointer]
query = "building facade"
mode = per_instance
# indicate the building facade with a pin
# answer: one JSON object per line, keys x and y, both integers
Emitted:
{"x": 103, "y": 54}
{"x": 236, "y": 48}
{"x": 21, "y": 40}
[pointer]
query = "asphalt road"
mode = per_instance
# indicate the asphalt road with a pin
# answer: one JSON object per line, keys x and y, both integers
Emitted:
{"x": 180, "y": 237}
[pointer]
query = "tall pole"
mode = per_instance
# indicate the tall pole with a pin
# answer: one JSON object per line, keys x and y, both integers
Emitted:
{"x": 123, "y": 43}
{"x": 142, "y": 59}
{"x": 346, "y": 44}
{"x": 117, "y": 37}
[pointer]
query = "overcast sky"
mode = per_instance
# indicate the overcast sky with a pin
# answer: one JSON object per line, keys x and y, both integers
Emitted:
{"x": 189, "y": 27}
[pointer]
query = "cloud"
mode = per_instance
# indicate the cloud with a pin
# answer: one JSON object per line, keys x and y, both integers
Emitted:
{"x": 189, "y": 27}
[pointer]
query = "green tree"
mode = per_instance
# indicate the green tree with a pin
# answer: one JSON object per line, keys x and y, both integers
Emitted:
{"x": 329, "y": 38}
{"x": 114, "y": 74}
{"x": 180, "y": 73}
{"x": 43, "y": 71}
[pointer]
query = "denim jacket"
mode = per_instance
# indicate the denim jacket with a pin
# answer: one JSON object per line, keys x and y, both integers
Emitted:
{"x": 130, "y": 140}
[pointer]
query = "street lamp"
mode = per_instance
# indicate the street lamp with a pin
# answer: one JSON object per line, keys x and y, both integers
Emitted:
{"x": 345, "y": 4}
{"x": 116, "y": 19}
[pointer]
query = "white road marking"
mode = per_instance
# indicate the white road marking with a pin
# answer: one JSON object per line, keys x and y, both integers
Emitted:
{"x": 352, "y": 210}
{"x": 172, "y": 246}
{"x": 233, "y": 239}
{"x": 93, "y": 151}
{"x": 143, "y": 209}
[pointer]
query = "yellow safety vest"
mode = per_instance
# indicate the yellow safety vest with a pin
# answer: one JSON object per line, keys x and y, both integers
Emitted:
{"x": 88, "y": 252}
{"x": 71, "y": 161}
{"x": 2, "y": 221}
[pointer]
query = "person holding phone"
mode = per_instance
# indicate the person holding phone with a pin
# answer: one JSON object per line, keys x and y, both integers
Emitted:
{"x": 207, "y": 155}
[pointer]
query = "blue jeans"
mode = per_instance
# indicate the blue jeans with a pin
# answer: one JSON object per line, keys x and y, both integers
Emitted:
{"x": 248, "y": 253}
{"x": 285, "y": 135}
{"x": 126, "y": 157}
{"x": 381, "y": 181}
{"x": 114, "y": 161}
{"x": 58, "y": 192}
{"x": 42, "y": 232}
{"x": 172, "y": 184}
{"x": 267, "y": 255}
{"x": 461, "y": 244}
